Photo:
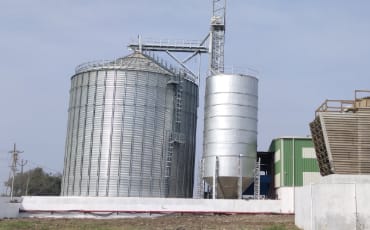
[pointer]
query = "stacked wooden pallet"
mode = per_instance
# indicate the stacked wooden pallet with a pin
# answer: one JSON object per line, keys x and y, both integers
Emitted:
{"x": 342, "y": 141}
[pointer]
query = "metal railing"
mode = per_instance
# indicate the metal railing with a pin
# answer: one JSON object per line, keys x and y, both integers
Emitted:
{"x": 240, "y": 70}
{"x": 359, "y": 92}
{"x": 335, "y": 106}
{"x": 171, "y": 42}
{"x": 93, "y": 64}
{"x": 118, "y": 63}
{"x": 362, "y": 100}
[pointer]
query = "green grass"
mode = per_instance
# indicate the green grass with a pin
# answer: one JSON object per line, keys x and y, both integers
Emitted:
{"x": 183, "y": 222}
{"x": 276, "y": 227}
{"x": 20, "y": 224}
{"x": 37, "y": 224}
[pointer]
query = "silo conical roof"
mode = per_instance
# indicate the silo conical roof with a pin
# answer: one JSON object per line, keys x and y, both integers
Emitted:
{"x": 142, "y": 62}
{"x": 135, "y": 61}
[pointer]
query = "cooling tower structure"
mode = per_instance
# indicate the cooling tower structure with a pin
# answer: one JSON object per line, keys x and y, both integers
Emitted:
{"x": 131, "y": 130}
{"x": 230, "y": 133}
{"x": 341, "y": 135}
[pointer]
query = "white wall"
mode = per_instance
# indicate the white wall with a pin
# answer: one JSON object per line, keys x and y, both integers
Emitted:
{"x": 7, "y": 209}
{"x": 303, "y": 207}
{"x": 286, "y": 196}
{"x": 154, "y": 205}
{"x": 339, "y": 202}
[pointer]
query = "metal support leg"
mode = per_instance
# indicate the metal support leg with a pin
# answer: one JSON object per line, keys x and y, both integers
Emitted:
{"x": 240, "y": 184}
{"x": 214, "y": 180}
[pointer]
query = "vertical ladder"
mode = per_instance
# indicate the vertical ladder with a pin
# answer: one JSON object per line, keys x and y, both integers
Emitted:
{"x": 174, "y": 136}
{"x": 178, "y": 106}
{"x": 168, "y": 164}
{"x": 257, "y": 179}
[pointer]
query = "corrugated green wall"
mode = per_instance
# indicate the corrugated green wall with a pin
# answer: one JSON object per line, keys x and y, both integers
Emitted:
{"x": 293, "y": 167}
{"x": 274, "y": 147}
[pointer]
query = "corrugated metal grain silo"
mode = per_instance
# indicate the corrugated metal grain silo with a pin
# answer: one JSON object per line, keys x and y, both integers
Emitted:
{"x": 230, "y": 132}
{"x": 131, "y": 130}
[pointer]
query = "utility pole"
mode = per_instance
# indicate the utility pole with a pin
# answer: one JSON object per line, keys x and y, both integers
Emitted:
{"x": 7, "y": 187}
{"x": 27, "y": 183}
{"x": 22, "y": 164}
{"x": 15, "y": 154}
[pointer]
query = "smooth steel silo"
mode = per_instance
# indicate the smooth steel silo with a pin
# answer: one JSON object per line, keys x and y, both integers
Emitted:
{"x": 230, "y": 133}
{"x": 131, "y": 130}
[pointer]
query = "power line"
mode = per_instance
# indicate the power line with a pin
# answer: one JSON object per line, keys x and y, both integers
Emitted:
{"x": 2, "y": 159}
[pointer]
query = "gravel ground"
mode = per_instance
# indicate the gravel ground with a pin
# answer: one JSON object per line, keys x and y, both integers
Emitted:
{"x": 177, "y": 222}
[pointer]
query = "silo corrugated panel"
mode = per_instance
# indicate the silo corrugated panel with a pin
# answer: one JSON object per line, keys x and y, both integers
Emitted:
{"x": 124, "y": 122}
{"x": 230, "y": 132}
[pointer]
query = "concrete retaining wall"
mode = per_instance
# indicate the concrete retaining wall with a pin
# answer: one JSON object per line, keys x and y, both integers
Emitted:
{"x": 286, "y": 196}
{"x": 31, "y": 205}
{"x": 337, "y": 202}
{"x": 118, "y": 207}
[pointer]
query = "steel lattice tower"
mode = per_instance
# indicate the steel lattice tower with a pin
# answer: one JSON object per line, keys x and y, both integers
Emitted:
{"x": 217, "y": 37}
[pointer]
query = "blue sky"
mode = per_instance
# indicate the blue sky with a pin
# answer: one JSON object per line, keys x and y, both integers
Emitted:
{"x": 305, "y": 52}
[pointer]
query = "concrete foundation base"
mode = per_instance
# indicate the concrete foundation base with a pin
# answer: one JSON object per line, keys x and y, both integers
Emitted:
{"x": 93, "y": 207}
{"x": 339, "y": 202}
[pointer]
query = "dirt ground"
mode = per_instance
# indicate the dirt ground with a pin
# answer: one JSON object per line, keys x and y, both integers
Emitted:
{"x": 177, "y": 222}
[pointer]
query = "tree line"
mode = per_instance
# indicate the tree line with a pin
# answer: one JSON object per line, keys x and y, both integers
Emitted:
{"x": 35, "y": 182}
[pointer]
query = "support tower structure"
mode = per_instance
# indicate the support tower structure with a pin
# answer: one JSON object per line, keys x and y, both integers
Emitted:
{"x": 217, "y": 37}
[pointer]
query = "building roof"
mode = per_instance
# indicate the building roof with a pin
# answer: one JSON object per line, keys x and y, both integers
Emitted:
{"x": 309, "y": 137}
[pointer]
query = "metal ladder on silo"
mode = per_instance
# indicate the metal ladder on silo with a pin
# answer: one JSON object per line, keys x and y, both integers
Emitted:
{"x": 257, "y": 179}
{"x": 174, "y": 136}
{"x": 169, "y": 162}
{"x": 178, "y": 106}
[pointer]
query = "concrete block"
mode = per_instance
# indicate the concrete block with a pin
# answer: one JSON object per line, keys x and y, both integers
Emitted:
{"x": 337, "y": 202}
{"x": 303, "y": 214}
{"x": 363, "y": 207}
{"x": 7, "y": 209}
{"x": 286, "y": 196}
{"x": 333, "y": 206}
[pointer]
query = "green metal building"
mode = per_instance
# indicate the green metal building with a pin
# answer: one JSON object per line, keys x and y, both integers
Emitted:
{"x": 295, "y": 161}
